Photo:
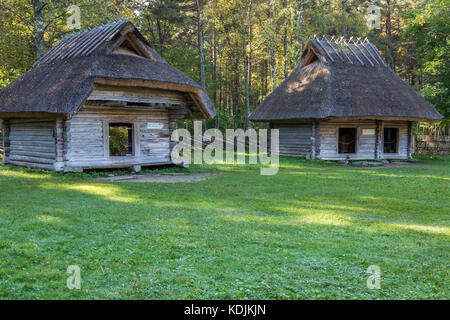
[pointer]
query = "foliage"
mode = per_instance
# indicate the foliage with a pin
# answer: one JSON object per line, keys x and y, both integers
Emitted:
{"x": 429, "y": 30}
{"x": 309, "y": 232}
{"x": 118, "y": 141}
{"x": 413, "y": 39}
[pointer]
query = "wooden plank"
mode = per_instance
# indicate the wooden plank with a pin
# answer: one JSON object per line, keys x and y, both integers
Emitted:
{"x": 90, "y": 137}
{"x": 25, "y": 153}
{"x": 42, "y": 149}
{"x": 39, "y": 139}
{"x": 329, "y": 139}
{"x": 32, "y": 159}
{"x": 48, "y": 122}
{"x": 6, "y": 143}
{"x": 32, "y": 164}
{"x": 295, "y": 138}
{"x": 32, "y": 141}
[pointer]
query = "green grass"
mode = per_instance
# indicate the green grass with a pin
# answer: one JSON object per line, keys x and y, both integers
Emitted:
{"x": 309, "y": 232}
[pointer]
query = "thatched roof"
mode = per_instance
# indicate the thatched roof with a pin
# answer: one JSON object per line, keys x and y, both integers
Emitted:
{"x": 343, "y": 79}
{"x": 61, "y": 81}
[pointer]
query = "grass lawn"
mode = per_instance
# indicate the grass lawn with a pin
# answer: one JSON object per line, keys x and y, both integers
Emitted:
{"x": 309, "y": 232}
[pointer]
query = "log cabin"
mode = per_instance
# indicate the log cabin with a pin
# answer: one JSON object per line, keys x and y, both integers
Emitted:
{"x": 101, "y": 98}
{"x": 344, "y": 102}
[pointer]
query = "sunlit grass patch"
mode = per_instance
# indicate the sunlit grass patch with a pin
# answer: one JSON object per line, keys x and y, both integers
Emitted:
{"x": 310, "y": 231}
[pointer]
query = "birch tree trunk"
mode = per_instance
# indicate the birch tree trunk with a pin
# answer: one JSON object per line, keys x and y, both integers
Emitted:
{"x": 273, "y": 58}
{"x": 301, "y": 18}
{"x": 244, "y": 53}
{"x": 39, "y": 41}
{"x": 285, "y": 43}
{"x": 214, "y": 67}
{"x": 345, "y": 9}
{"x": 201, "y": 51}
{"x": 389, "y": 32}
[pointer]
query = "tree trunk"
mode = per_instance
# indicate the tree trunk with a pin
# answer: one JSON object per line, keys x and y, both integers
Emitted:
{"x": 285, "y": 43}
{"x": 39, "y": 41}
{"x": 389, "y": 32}
{"x": 244, "y": 53}
{"x": 344, "y": 28}
{"x": 160, "y": 36}
{"x": 250, "y": 55}
{"x": 200, "y": 45}
{"x": 214, "y": 67}
{"x": 201, "y": 51}
{"x": 273, "y": 58}
{"x": 301, "y": 17}
{"x": 266, "y": 75}
{"x": 250, "y": 41}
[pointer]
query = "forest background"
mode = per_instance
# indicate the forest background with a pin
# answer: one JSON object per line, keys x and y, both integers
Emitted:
{"x": 241, "y": 50}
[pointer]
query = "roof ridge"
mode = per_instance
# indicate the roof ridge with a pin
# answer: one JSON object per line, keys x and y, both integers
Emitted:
{"x": 362, "y": 52}
{"x": 82, "y": 42}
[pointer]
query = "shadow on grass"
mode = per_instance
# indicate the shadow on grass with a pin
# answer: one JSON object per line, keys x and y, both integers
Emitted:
{"x": 238, "y": 236}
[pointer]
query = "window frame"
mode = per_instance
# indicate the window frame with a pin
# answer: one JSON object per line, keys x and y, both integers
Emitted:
{"x": 133, "y": 139}
{"x": 397, "y": 147}
{"x": 357, "y": 136}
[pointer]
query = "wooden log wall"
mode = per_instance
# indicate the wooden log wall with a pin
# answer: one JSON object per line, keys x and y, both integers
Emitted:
{"x": 132, "y": 95}
{"x": 295, "y": 138}
{"x": 410, "y": 140}
{"x": 378, "y": 139}
{"x": 31, "y": 142}
{"x": 404, "y": 147}
{"x": 317, "y": 138}
{"x": 83, "y": 140}
{"x": 87, "y": 137}
{"x": 174, "y": 115}
{"x": 368, "y": 146}
{"x": 5, "y": 141}
{"x": 59, "y": 144}
{"x": 329, "y": 131}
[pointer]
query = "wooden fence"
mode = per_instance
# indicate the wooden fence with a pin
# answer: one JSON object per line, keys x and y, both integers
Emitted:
{"x": 439, "y": 145}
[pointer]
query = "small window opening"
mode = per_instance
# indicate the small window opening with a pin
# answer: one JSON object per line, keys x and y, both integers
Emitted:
{"x": 310, "y": 58}
{"x": 390, "y": 140}
{"x": 347, "y": 140}
{"x": 126, "y": 47}
{"x": 120, "y": 139}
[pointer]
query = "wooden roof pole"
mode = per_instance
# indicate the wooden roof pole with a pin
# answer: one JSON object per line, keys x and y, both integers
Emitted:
{"x": 362, "y": 52}
{"x": 345, "y": 53}
{"x": 335, "y": 50}
{"x": 377, "y": 53}
{"x": 370, "y": 52}
{"x": 354, "y": 53}
{"x": 323, "y": 48}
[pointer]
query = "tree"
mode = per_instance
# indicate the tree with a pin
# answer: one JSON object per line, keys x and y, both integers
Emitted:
{"x": 428, "y": 29}
{"x": 200, "y": 44}
{"x": 246, "y": 12}
{"x": 235, "y": 48}
{"x": 273, "y": 45}
{"x": 39, "y": 41}
{"x": 163, "y": 21}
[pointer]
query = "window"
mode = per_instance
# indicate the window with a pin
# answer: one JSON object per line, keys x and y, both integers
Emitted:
{"x": 347, "y": 140}
{"x": 390, "y": 140}
{"x": 120, "y": 139}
